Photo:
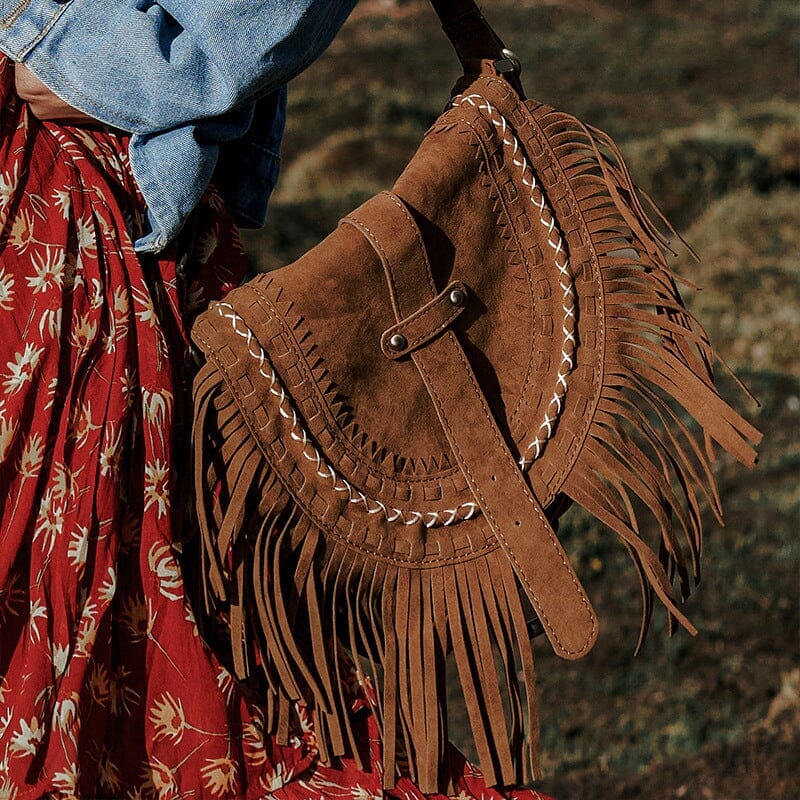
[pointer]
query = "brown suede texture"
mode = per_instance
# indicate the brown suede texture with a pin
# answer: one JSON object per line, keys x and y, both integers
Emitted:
{"x": 400, "y": 500}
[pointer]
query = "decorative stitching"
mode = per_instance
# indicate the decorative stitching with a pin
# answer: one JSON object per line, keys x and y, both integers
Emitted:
{"x": 15, "y": 13}
{"x": 291, "y": 334}
{"x": 561, "y": 260}
{"x": 553, "y": 411}
{"x": 513, "y": 247}
{"x": 536, "y": 122}
{"x": 404, "y": 211}
{"x": 298, "y": 433}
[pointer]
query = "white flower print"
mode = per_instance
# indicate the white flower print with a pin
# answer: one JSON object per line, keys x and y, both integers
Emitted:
{"x": 65, "y": 713}
{"x": 78, "y": 548}
{"x": 49, "y": 268}
{"x": 22, "y": 368}
{"x": 83, "y": 333}
{"x": 162, "y": 562}
{"x": 60, "y": 655}
{"x": 225, "y": 682}
{"x": 6, "y": 291}
{"x": 148, "y": 313}
{"x": 8, "y": 790}
{"x": 8, "y": 717}
{"x": 254, "y": 745}
{"x": 63, "y": 201}
{"x": 52, "y": 387}
{"x": 87, "y": 633}
{"x": 157, "y": 411}
{"x": 272, "y": 781}
{"x": 8, "y": 429}
{"x": 96, "y": 295}
{"x": 39, "y": 205}
{"x": 67, "y": 780}
{"x": 156, "y": 488}
{"x": 358, "y": 792}
{"x": 32, "y": 454}
{"x": 111, "y": 452}
{"x": 219, "y": 776}
{"x": 50, "y": 521}
{"x": 128, "y": 385}
{"x": 50, "y": 322}
{"x": 38, "y": 611}
{"x": 109, "y": 587}
{"x": 8, "y": 187}
{"x": 81, "y": 424}
{"x": 159, "y": 780}
{"x": 86, "y": 236}
{"x": 121, "y": 305}
{"x": 21, "y": 237}
{"x": 29, "y": 735}
{"x": 168, "y": 718}
{"x": 65, "y": 481}
{"x": 88, "y": 609}
{"x": 156, "y": 405}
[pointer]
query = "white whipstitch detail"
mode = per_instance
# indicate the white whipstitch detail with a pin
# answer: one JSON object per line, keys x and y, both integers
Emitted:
{"x": 285, "y": 408}
{"x": 561, "y": 260}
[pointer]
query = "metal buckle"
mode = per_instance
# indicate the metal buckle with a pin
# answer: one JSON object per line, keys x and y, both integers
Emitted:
{"x": 509, "y": 63}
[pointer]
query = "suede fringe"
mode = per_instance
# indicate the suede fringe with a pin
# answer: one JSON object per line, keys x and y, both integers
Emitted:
{"x": 642, "y": 450}
{"x": 289, "y": 598}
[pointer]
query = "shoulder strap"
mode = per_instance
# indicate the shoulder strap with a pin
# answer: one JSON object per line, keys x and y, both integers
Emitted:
{"x": 468, "y": 30}
{"x": 477, "y": 45}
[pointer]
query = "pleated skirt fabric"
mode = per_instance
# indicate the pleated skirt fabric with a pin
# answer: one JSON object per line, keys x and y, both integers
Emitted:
{"x": 106, "y": 688}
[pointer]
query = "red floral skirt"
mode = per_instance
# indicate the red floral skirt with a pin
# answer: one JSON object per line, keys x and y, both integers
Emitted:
{"x": 106, "y": 689}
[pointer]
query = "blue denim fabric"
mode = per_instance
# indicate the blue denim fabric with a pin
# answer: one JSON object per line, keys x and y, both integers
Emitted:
{"x": 200, "y": 85}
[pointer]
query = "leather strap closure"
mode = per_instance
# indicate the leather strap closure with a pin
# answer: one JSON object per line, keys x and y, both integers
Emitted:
{"x": 499, "y": 487}
{"x": 426, "y": 323}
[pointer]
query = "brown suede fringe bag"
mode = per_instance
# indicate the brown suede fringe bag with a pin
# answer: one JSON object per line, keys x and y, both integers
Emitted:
{"x": 387, "y": 430}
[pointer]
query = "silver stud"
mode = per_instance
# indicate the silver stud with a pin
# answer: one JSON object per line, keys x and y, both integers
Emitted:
{"x": 458, "y": 297}
{"x": 509, "y": 63}
{"x": 398, "y": 342}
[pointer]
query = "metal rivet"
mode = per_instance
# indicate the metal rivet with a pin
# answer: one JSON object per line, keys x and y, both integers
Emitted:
{"x": 509, "y": 63}
{"x": 458, "y": 297}
{"x": 398, "y": 342}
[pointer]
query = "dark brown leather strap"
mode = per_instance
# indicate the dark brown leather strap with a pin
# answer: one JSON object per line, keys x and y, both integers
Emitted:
{"x": 471, "y": 35}
{"x": 499, "y": 487}
{"x": 479, "y": 48}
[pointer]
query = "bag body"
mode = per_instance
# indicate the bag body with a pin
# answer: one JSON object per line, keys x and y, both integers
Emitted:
{"x": 387, "y": 430}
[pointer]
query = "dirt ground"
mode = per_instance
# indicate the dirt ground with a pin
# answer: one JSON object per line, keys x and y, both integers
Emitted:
{"x": 703, "y": 98}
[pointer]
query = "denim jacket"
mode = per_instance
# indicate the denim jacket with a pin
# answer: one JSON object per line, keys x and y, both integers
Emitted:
{"x": 200, "y": 85}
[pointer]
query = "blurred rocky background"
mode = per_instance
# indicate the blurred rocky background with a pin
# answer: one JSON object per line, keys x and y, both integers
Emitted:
{"x": 703, "y": 99}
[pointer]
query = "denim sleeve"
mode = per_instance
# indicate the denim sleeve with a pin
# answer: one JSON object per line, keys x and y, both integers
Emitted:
{"x": 146, "y": 66}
